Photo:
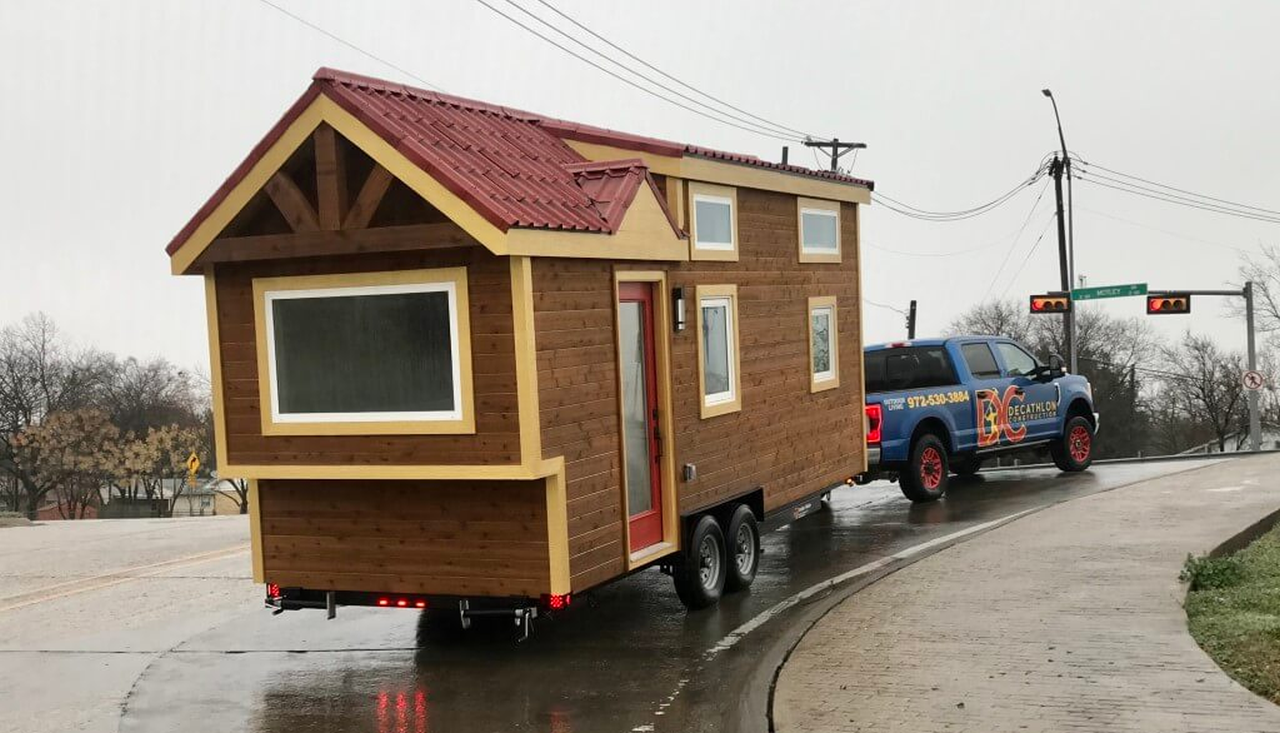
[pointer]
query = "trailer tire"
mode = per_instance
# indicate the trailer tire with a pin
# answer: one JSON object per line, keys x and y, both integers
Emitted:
{"x": 1074, "y": 450}
{"x": 925, "y": 476}
{"x": 743, "y": 541}
{"x": 700, "y": 575}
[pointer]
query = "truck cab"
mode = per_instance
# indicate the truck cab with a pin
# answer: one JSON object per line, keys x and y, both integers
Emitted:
{"x": 941, "y": 406}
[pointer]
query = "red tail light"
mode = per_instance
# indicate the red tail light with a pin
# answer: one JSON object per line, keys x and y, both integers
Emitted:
{"x": 556, "y": 601}
{"x": 874, "y": 421}
{"x": 384, "y": 601}
{"x": 419, "y": 604}
{"x": 402, "y": 602}
{"x": 273, "y": 590}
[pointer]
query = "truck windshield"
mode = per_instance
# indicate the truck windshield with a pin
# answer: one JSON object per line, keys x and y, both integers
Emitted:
{"x": 908, "y": 367}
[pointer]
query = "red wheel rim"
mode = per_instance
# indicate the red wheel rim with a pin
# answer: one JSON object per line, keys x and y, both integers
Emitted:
{"x": 1079, "y": 443}
{"x": 930, "y": 468}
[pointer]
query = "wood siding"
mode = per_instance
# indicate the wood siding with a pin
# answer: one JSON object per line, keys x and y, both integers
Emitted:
{"x": 496, "y": 440}
{"x": 786, "y": 439}
{"x": 479, "y": 538}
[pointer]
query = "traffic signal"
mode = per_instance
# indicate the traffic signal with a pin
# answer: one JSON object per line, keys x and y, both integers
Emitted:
{"x": 1050, "y": 303}
{"x": 1168, "y": 303}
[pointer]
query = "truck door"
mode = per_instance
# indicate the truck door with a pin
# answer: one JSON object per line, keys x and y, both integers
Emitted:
{"x": 989, "y": 387}
{"x": 1036, "y": 405}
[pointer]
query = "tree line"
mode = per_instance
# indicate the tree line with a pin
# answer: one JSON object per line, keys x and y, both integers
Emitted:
{"x": 75, "y": 422}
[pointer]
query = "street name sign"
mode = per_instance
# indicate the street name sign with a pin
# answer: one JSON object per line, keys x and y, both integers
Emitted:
{"x": 1109, "y": 291}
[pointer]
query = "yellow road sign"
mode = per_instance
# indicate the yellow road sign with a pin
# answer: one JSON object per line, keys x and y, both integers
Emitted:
{"x": 193, "y": 463}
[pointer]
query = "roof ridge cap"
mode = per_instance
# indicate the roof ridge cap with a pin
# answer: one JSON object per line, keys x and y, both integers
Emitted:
{"x": 338, "y": 76}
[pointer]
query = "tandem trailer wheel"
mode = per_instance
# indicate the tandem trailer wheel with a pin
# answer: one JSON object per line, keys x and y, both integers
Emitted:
{"x": 743, "y": 538}
{"x": 700, "y": 574}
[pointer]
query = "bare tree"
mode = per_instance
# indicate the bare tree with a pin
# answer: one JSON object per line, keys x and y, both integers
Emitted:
{"x": 70, "y": 453}
{"x": 995, "y": 318}
{"x": 1210, "y": 380}
{"x": 240, "y": 492}
{"x": 1264, "y": 271}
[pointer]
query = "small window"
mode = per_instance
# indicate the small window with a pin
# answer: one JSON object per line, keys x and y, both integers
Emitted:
{"x": 982, "y": 365}
{"x": 1018, "y": 363}
{"x": 714, "y": 222}
{"x": 373, "y": 353}
{"x": 824, "y": 351}
{"x": 718, "y": 364}
{"x": 819, "y": 230}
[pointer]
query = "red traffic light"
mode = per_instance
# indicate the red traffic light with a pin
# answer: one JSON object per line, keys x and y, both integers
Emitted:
{"x": 1168, "y": 304}
{"x": 1050, "y": 303}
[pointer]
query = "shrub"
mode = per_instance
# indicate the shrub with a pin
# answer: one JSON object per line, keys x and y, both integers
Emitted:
{"x": 1211, "y": 573}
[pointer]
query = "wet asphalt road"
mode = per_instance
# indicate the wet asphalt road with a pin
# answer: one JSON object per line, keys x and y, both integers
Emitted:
{"x": 626, "y": 657}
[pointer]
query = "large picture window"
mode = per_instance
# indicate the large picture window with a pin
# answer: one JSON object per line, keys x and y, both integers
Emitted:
{"x": 824, "y": 351}
{"x": 819, "y": 230}
{"x": 714, "y": 222}
{"x": 371, "y": 353}
{"x": 719, "y": 377}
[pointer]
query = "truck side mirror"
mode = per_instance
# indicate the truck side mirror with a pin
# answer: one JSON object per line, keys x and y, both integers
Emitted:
{"x": 1057, "y": 366}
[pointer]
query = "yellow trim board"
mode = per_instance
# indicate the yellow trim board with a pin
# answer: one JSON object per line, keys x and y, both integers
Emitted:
{"x": 734, "y": 405}
{"x": 396, "y": 472}
{"x": 455, "y": 275}
{"x": 725, "y": 192}
{"x": 662, "y": 319}
{"x": 693, "y": 168}
{"x": 215, "y": 370}
{"x": 255, "y": 530}
{"x": 857, "y": 313}
{"x": 526, "y": 355}
{"x": 558, "y": 529}
{"x": 834, "y": 332}
{"x": 645, "y": 234}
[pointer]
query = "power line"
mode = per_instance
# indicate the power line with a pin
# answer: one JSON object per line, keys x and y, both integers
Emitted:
{"x": 682, "y": 83}
{"x": 1030, "y": 252}
{"x": 1014, "y": 244}
{"x": 915, "y": 212}
{"x": 351, "y": 45}
{"x": 1174, "y": 188}
{"x": 1173, "y": 197}
{"x": 882, "y": 305}
{"x": 754, "y": 130}
{"x": 767, "y": 130}
{"x": 1092, "y": 179}
{"x": 1168, "y": 232}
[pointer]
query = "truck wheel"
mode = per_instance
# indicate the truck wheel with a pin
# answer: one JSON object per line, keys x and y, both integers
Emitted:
{"x": 744, "y": 549}
{"x": 1074, "y": 450}
{"x": 966, "y": 465}
{"x": 701, "y": 574}
{"x": 925, "y": 477}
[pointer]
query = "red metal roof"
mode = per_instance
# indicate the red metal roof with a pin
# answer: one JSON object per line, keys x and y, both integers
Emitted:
{"x": 512, "y": 167}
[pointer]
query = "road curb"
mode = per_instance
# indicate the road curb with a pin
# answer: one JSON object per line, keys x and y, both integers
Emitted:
{"x": 772, "y": 661}
{"x": 1246, "y": 536}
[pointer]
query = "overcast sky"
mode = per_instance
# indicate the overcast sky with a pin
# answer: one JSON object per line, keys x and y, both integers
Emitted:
{"x": 121, "y": 118}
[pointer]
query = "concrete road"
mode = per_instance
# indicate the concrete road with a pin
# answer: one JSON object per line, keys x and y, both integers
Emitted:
{"x": 123, "y": 643}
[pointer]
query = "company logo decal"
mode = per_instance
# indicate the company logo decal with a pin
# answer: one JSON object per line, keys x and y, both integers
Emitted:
{"x": 1006, "y": 415}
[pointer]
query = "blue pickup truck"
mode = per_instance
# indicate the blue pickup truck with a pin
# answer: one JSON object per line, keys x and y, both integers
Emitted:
{"x": 940, "y": 406}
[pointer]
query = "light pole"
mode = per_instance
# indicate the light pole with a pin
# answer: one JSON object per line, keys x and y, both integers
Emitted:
{"x": 1069, "y": 318}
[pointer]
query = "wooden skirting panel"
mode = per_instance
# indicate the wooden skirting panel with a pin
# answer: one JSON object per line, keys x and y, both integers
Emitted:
{"x": 476, "y": 538}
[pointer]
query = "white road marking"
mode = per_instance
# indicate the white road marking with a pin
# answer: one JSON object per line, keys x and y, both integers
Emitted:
{"x": 733, "y": 637}
{"x": 1224, "y": 489}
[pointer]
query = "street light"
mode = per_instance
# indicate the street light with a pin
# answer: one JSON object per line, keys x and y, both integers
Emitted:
{"x": 1071, "y": 231}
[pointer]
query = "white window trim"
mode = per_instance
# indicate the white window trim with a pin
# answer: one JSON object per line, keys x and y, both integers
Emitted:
{"x": 819, "y": 249}
{"x": 730, "y": 395}
{"x": 829, "y": 374}
{"x": 698, "y": 242}
{"x": 456, "y": 414}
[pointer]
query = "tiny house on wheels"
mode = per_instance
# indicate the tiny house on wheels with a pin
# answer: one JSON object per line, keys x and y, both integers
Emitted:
{"x": 478, "y": 359}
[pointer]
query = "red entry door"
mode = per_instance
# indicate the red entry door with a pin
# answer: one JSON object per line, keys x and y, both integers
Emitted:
{"x": 642, "y": 446}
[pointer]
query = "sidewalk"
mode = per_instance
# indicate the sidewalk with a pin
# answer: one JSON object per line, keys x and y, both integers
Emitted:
{"x": 1066, "y": 620}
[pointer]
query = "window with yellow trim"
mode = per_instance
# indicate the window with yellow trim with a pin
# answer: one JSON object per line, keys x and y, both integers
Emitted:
{"x": 824, "y": 349}
{"x": 378, "y": 352}
{"x": 713, "y": 222}
{"x": 819, "y": 223}
{"x": 719, "y": 366}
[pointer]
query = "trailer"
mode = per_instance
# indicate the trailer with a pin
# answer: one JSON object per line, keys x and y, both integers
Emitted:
{"x": 479, "y": 360}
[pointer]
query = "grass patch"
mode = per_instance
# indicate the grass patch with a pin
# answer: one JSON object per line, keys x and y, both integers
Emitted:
{"x": 1233, "y": 611}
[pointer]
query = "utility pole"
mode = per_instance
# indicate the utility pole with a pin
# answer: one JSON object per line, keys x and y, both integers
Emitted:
{"x": 911, "y": 322}
{"x": 1069, "y": 258}
{"x": 1056, "y": 169}
{"x": 837, "y": 149}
